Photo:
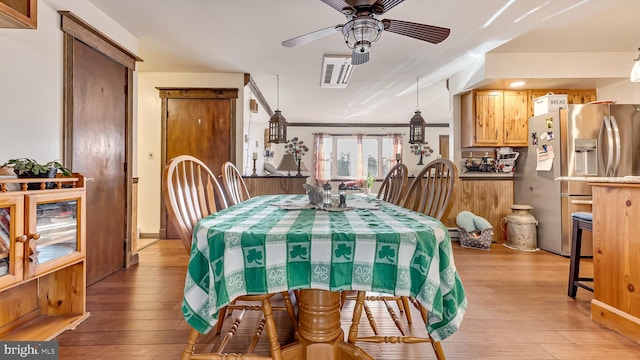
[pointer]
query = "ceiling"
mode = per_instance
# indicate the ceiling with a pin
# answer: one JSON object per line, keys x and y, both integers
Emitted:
{"x": 245, "y": 36}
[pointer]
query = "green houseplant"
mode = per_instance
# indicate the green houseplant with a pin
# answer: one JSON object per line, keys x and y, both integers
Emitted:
{"x": 25, "y": 167}
{"x": 369, "y": 181}
{"x": 29, "y": 168}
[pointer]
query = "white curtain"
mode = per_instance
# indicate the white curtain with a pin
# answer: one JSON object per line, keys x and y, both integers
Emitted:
{"x": 397, "y": 147}
{"x": 318, "y": 159}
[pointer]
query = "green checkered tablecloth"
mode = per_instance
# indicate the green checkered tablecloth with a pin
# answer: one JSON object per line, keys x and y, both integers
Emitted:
{"x": 257, "y": 247}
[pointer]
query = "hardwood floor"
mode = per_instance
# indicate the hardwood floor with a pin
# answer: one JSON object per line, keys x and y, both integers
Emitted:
{"x": 518, "y": 309}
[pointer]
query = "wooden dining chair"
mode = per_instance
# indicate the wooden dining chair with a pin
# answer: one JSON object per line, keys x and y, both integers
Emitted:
{"x": 432, "y": 189}
{"x": 191, "y": 192}
{"x": 234, "y": 185}
{"x": 431, "y": 193}
{"x": 394, "y": 184}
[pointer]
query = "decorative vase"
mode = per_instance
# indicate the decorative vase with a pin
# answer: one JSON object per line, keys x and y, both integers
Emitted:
{"x": 367, "y": 190}
{"x": 420, "y": 162}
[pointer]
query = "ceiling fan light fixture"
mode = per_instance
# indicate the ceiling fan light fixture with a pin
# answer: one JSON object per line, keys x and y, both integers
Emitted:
{"x": 361, "y": 32}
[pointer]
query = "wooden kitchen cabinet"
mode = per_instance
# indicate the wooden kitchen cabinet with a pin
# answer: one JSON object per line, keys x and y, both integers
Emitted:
{"x": 574, "y": 96}
{"x": 20, "y": 14}
{"x": 43, "y": 286}
{"x": 492, "y": 118}
{"x": 488, "y": 115}
{"x": 515, "y": 118}
{"x": 490, "y": 198}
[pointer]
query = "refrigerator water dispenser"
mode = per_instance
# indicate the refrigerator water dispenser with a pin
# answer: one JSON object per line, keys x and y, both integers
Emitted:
{"x": 586, "y": 156}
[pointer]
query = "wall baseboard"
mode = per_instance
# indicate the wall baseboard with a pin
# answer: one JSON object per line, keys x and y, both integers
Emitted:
{"x": 149, "y": 236}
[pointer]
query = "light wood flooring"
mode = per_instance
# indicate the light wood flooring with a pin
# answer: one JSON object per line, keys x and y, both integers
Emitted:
{"x": 518, "y": 309}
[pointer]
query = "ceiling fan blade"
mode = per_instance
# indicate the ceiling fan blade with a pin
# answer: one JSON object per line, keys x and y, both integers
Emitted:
{"x": 359, "y": 58}
{"x": 337, "y": 4}
{"x": 315, "y": 35}
{"x": 429, "y": 33}
{"x": 389, "y": 4}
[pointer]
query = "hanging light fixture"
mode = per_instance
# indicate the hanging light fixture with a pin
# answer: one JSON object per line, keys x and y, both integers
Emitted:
{"x": 360, "y": 32}
{"x": 635, "y": 71}
{"x": 417, "y": 123}
{"x": 277, "y": 123}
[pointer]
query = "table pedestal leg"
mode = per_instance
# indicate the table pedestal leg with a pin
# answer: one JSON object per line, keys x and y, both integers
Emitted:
{"x": 320, "y": 334}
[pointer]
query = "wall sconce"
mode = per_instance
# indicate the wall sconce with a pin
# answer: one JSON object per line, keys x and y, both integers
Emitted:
{"x": 253, "y": 106}
{"x": 635, "y": 71}
{"x": 417, "y": 123}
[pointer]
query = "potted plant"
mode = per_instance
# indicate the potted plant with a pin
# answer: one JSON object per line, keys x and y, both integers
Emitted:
{"x": 368, "y": 182}
{"x": 29, "y": 168}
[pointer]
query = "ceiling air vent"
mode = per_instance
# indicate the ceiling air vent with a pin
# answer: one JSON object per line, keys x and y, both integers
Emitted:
{"x": 336, "y": 71}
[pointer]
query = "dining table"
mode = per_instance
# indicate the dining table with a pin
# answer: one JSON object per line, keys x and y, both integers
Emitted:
{"x": 274, "y": 243}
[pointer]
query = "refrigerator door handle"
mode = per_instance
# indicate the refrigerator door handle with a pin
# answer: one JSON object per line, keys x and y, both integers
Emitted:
{"x": 609, "y": 161}
{"x": 618, "y": 149}
{"x": 601, "y": 165}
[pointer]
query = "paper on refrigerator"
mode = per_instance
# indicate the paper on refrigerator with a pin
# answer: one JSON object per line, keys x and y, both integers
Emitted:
{"x": 544, "y": 158}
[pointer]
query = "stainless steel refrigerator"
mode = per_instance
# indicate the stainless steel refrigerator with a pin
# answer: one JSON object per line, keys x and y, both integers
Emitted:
{"x": 585, "y": 140}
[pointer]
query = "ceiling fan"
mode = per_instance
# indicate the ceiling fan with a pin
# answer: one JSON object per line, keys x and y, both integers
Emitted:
{"x": 363, "y": 27}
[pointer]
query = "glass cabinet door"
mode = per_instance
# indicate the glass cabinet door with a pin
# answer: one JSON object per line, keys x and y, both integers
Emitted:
{"x": 53, "y": 231}
{"x": 11, "y": 239}
{"x": 57, "y": 225}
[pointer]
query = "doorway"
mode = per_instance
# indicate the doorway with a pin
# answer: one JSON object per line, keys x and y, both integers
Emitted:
{"x": 199, "y": 122}
{"x": 443, "y": 146}
{"x": 98, "y": 110}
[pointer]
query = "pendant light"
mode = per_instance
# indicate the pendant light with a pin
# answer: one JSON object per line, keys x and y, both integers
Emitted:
{"x": 417, "y": 123}
{"x": 277, "y": 123}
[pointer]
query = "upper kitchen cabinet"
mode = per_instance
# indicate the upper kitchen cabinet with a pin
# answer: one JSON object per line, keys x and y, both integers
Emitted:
{"x": 494, "y": 118}
{"x": 491, "y": 118}
{"x": 19, "y": 14}
{"x": 574, "y": 96}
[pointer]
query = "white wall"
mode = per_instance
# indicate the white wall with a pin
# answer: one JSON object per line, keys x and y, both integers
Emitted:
{"x": 254, "y": 126}
{"x": 31, "y": 77}
{"x": 149, "y": 131}
{"x": 559, "y": 65}
{"x": 624, "y": 92}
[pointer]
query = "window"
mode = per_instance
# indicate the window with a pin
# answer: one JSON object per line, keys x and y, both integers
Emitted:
{"x": 353, "y": 156}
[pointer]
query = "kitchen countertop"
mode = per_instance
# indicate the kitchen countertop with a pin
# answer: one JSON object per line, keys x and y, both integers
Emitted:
{"x": 602, "y": 179}
{"x": 486, "y": 175}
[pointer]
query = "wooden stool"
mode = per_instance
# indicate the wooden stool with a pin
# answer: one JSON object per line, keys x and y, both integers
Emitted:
{"x": 581, "y": 221}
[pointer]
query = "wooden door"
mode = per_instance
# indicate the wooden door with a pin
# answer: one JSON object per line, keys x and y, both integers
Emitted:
{"x": 99, "y": 154}
{"x": 443, "y": 145}
{"x": 488, "y": 116}
{"x": 200, "y": 123}
{"x": 98, "y": 108}
{"x": 515, "y": 118}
